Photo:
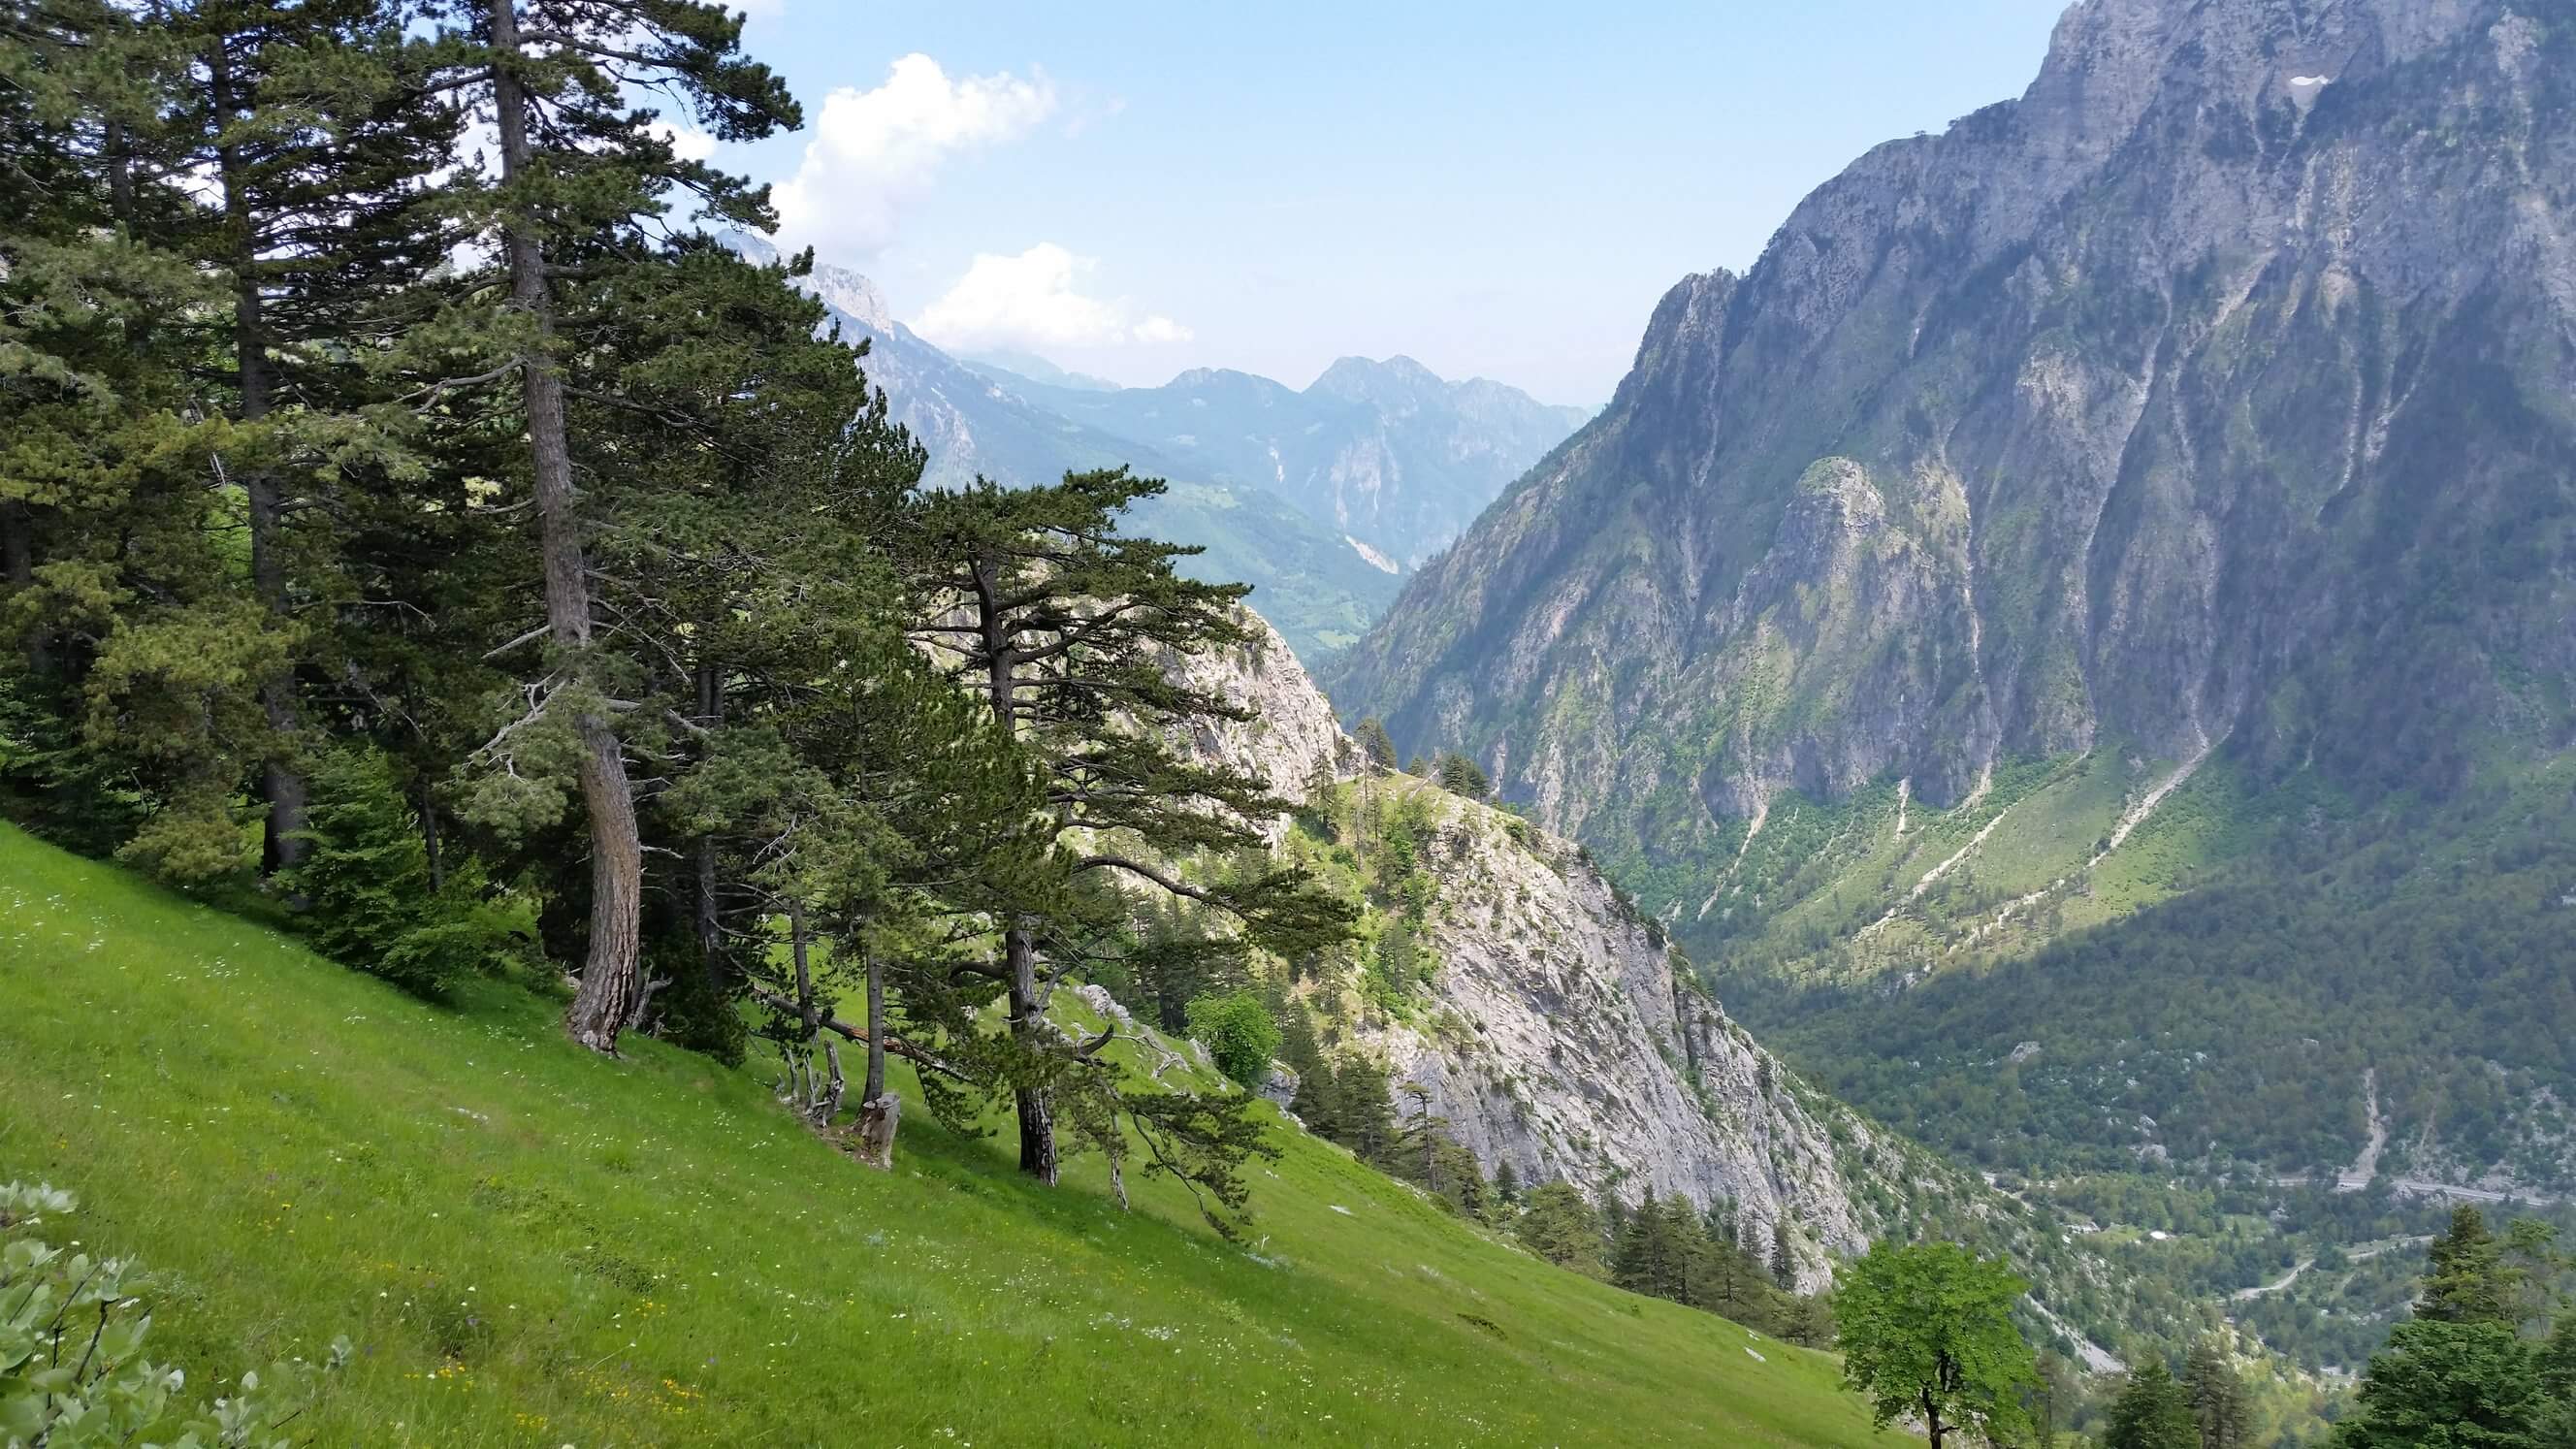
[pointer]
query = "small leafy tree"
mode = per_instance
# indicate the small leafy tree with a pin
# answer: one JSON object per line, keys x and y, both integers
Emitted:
{"x": 72, "y": 1370}
{"x": 1237, "y": 1030}
{"x": 1927, "y": 1331}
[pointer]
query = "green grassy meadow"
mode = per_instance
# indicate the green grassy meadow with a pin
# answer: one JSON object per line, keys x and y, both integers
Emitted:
{"x": 531, "y": 1246}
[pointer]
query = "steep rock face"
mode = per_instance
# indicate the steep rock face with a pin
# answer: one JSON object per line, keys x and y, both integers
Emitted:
{"x": 2217, "y": 390}
{"x": 1561, "y": 1034}
{"x": 1567, "y": 1039}
{"x": 1292, "y": 739}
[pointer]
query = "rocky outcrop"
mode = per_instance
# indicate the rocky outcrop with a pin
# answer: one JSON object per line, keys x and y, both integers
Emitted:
{"x": 1564, "y": 1036}
{"x": 2216, "y": 390}
{"x": 1559, "y": 1032}
{"x": 1291, "y": 740}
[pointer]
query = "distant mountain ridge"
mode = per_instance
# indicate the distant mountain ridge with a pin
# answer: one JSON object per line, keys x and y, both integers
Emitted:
{"x": 1007, "y": 366}
{"x": 1307, "y": 581}
{"x": 1320, "y": 500}
{"x": 1386, "y": 453}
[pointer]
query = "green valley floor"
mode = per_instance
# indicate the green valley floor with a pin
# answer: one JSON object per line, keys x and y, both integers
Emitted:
{"x": 532, "y": 1246}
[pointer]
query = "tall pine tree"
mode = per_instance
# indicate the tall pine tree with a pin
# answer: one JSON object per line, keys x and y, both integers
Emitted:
{"x": 584, "y": 181}
{"x": 1065, "y": 627}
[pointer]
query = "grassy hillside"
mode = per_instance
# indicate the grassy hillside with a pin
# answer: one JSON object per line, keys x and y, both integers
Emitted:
{"x": 532, "y": 1246}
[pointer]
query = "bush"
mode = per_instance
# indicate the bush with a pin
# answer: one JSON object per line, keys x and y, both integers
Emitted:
{"x": 366, "y": 887}
{"x": 1237, "y": 1030}
{"x": 72, "y": 1370}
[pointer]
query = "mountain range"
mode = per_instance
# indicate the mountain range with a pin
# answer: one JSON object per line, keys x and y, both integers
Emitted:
{"x": 1320, "y": 500}
{"x": 2109, "y": 567}
{"x": 1387, "y": 454}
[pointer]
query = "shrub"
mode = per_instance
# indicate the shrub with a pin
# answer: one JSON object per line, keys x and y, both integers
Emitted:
{"x": 366, "y": 886}
{"x": 1237, "y": 1030}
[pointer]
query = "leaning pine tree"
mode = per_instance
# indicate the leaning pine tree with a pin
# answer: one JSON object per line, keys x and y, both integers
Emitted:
{"x": 583, "y": 181}
{"x": 1064, "y": 628}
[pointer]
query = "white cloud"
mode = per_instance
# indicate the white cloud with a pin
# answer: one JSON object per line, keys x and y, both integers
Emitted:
{"x": 1032, "y": 300}
{"x": 874, "y": 151}
{"x": 687, "y": 141}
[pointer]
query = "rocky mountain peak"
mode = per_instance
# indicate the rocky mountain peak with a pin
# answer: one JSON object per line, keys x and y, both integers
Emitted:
{"x": 2161, "y": 375}
{"x": 853, "y": 294}
{"x": 1396, "y": 380}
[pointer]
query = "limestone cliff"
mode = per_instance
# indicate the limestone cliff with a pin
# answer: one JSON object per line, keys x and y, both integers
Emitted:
{"x": 1563, "y": 1035}
{"x": 1557, "y": 1030}
{"x": 2216, "y": 390}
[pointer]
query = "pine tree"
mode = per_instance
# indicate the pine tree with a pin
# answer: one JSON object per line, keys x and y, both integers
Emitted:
{"x": 1377, "y": 750}
{"x": 2465, "y": 1278}
{"x": 2441, "y": 1381}
{"x": 2459, "y": 1371}
{"x": 1655, "y": 1249}
{"x": 2051, "y": 1396}
{"x": 1462, "y": 776}
{"x": 583, "y": 178}
{"x": 362, "y": 868}
{"x": 2217, "y": 1397}
{"x": 135, "y": 640}
{"x": 1417, "y": 1145}
{"x": 1560, "y": 1226}
{"x": 2151, "y": 1412}
{"x": 1362, "y": 1107}
{"x": 312, "y": 122}
{"x": 1062, "y": 626}
{"x": 1784, "y": 1261}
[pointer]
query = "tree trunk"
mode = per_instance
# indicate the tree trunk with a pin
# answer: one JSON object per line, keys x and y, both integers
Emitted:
{"x": 430, "y": 843}
{"x": 1019, "y": 943}
{"x": 1028, "y": 1024}
{"x": 811, "y": 1103}
{"x": 712, "y": 963}
{"x": 828, "y": 1105}
{"x": 609, "y": 982}
{"x": 1932, "y": 1425}
{"x": 796, "y": 952}
{"x": 880, "y": 1111}
{"x": 875, "y": 1085}
{"x": 878, "y": 1117}
{"x": 281, "y": 784}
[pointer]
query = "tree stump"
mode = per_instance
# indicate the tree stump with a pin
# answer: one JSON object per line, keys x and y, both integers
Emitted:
{"x": 877, "y": 1121}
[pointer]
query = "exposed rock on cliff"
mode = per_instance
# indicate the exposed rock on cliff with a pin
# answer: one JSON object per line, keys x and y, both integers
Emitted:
{"x": 1557, "y": 1031}
{"x": 1561, "y": 1034}
{"x": 2217, "y": 390}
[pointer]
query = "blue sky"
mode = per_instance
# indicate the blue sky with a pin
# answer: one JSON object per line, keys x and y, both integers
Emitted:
{"x": 1498, "y": 189}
